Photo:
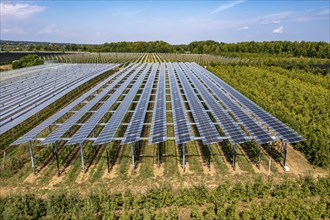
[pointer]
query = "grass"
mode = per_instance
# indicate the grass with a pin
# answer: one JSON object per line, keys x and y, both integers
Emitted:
{"x": 217, "y": 160}
{"x": 242, "y": 161}
{"x": 147, "y": 156}
{"x": 193, "y": 158}
{"x": 125, "y": 160}
{"x": 170, "y": 159}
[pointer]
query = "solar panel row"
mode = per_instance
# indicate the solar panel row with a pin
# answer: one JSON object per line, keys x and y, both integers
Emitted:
{"x": 206, "y": 128}
{"x": 232, "y": 131}
{"x": 255, "y": 130}
{"x": 57, "y": 134}
{"x": 88, "y": 127}
{"x": 134, "y": 129}
{"x": 158, "y": 132}
{"x": 20, "y": 75}
{"x": 108, "y": 132}
{"x": 185, "y": 80}
{"x": 37, "y": 105}
{"x": 182, "y": 129}
{"x": 283, "y": 131}
{"x": 35, "y": 131}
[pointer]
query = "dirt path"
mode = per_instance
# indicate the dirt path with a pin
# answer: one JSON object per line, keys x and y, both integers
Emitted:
{"x": 299, "y": 165}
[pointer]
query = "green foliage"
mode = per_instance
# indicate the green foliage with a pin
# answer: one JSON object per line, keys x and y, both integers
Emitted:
{"x": 298, "y": 98}
{"x": 28, "y": 60}
{"x": 301, "y": 198}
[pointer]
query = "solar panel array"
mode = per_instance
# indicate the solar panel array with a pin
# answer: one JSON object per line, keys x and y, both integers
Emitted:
{"x": 88, "y": 127}
{"x": 58, "y": 133}
{"x": 182, "y": 129}
{"x": 158, "y": 132}
{"x": 108, "y": 132}
{"x": 206, "y": 128}
{"x": 134, "y": 129}
{"x": 255, "y": 130}
{"x": 231, "y": 129}
{"x": 11, "y": 76}
{"x": 23, "y": 98}
{"x": 283, "y": 131}
{"x": 35, "y": 131}
{"x": 206, "y": 97}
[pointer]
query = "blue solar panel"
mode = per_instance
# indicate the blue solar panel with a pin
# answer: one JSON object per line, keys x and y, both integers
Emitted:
{"x": 108, "y": 132}
{"x": 232, "y": 131}
{"x": 205, "y": 126}
{"x": 182, "y": 130}
{"x": 88, "y": 127}
{"x": 24, "y": 111}
{"x": 57, "y": 134}
{"x": 283, "y": 131}
{"x": 35, "y": 131}
{"x": 134, "y": 129}
{"x": 158, "y": 132}
{"x": 257, "y": 132}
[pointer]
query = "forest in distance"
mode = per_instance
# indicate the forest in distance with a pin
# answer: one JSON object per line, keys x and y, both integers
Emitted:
{"x": 295, "y": 49}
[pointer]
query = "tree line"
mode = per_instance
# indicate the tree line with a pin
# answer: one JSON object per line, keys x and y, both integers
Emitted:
{"x": 296, "y": 49}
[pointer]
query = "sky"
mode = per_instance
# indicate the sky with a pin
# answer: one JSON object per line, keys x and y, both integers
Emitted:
{"x": 176, "y": 22}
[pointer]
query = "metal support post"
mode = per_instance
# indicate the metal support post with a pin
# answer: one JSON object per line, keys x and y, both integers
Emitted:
{"x": 56, "y": 156}
{"x": 108, "y": 160}
{"x": 259, "y": 158}
{"x": 158, "y": 155}
{"x": 209, "y": 160}
{"x": 3, "y": 160}
{"x": 133, "y": 151}
{"x": 184, "y": 157}
{"x": 269, "y": 165}
{"x": 284, "y": 155}
{"x": 234, "y": 156}
{"x": 32, "y": 158}
{"x": 82, "y": 158}
{"x": 50, "y": 129}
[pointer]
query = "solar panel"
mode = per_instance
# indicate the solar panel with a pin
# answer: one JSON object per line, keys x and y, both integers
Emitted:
{"x": 255, "y": 130}
{"x": 87, "y": 128}
{"x": 38, "y": 89}
{"x": 158, "y": 132}
{"x": 38, "y": 105}
{"x": 109, "y": 131}
{"x": 11, "y": 77}
{"x": 182, "y": 129}
{"x": 134, "y": 129}
{"x": 205, "y": 126}
{"x": 35, "y": 131}
{"x": 283, "y": 131}
{"x": 57, "y": 134}
{"x": 234, "y": 133}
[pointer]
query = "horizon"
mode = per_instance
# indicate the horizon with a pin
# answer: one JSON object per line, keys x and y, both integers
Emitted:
{"x": 100, "y": 22}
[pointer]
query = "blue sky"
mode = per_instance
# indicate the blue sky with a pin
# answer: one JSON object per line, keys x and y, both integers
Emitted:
{"x": 173, "y": 21}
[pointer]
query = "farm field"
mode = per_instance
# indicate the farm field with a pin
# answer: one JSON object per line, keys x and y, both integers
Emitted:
{"x": 207, "y": 170}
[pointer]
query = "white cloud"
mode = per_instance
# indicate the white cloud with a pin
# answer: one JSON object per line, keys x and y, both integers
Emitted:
{"x": 19, "y": 10}
{"x": 325, "y": 11}
{"x": 226, "y": 6}
{"x": 243, "y": 28}
{"x": 279, "y": 30}
{"x": 275, "y": 18}
{"x": 50, "y": 29}
{"x": 13, "y": 30}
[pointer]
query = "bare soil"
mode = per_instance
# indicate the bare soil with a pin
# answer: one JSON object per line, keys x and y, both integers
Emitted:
{"x": 299, "y": 165}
